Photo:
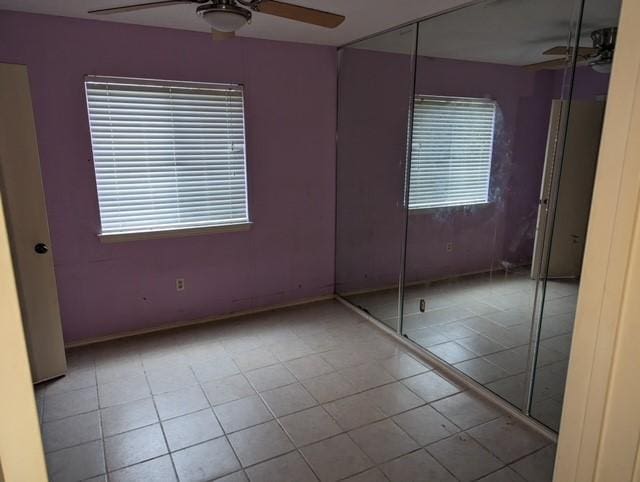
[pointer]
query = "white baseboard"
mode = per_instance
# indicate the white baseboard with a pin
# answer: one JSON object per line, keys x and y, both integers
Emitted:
{"x": 208, "y": 319}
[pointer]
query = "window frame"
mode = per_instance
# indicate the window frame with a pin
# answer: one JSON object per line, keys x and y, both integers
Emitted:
{"x": 463, "y": 204}
{"x": 177, "y": 232}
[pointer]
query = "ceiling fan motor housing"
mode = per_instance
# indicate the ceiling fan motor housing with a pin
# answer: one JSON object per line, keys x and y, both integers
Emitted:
{"x": 224, "y": 15}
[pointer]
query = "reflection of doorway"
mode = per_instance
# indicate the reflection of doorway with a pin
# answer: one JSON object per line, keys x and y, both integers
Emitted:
{"x": 576, "y": 175}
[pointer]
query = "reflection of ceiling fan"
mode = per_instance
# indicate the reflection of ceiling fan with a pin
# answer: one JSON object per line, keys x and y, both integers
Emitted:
{"x": 599, "y": 57}
{"x": 227, "y": 16}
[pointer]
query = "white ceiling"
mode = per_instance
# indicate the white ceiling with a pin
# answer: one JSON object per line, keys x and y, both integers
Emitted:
{"x": 513, "y": 32}
{"x": 364, "y": 17}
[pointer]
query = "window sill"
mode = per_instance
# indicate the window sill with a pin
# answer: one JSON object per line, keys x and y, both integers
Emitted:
{"x": 418, "y": 211}
{"x": 173, "y": 233}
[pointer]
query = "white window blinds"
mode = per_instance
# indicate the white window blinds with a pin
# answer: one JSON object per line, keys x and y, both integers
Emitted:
{"x": 452, "y": 146}
{"x": 167, "y": 155}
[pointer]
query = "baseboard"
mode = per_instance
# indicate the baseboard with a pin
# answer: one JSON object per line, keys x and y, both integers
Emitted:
{"x": 182, "y": 324}
{"x": 454, "y": 374}
{"x": 430, "y": 281}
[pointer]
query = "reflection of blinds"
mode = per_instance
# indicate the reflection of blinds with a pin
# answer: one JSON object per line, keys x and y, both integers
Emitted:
{"x": 167, "y": 155}
{"x": 451, "y": 151}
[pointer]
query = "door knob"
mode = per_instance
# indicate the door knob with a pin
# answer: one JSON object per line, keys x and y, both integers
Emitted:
{"x": 41, "y": 248}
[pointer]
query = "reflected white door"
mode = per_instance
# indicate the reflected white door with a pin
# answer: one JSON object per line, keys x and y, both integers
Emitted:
{"x": 575, "y": 187}
{"x": 23, "y": 196}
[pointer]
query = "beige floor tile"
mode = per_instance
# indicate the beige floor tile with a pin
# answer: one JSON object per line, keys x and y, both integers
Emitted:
{"x": 227, "y": 389}
{"x": 417, "y": 466}
{"x": 430, "y": 386}
{"x": 258, "y": 358}
{"x": 371, "y": 475}
{"x": 330, "y": 386}
{"x": 425, "y": 425}
{"x": 504, "y": 475}
{"x": 270, "y": 377}
{"x": 235, "y": 477}
{"x": 73, "y": 380}
{"x": 345, "y": 357}
{"x": 163, "y": 380}
{"x": 336, "y": 458}
{"x": 215, "y": 369}
{"x": 290, "y": 350}
{"x": 369, "y": 375}
{"x": 160, "y": 469}
{"x": 286, "y": 468}
{"x": 403, "y": 366}
{"x": 207, "y": 461}
{"x": 467, "y": 410}
{"x": 74, "y": 430}
{"x": 537, "y": 467}
{"x": 112, "y": 370}
{"x": 123, "y": 390}
{"x": 260, "y": 443}
{"x": 128, "y": 416}
{"x": 288, "y": 399}
{"x": 242, "y": 413}
{"x": 310, "y": 426}
{"x": 66, "y": 404}
{"x": 464, "y": 457}
{"x": 354, "y": 411}
{"x": 394, "y": 398}
{"x": 180, "y": 402}
{"x": 76, "y": 463}
{"x": 191, "y": 429}
{"x": 508, "y": 439}
{"x": 383, "y": 441}
{"x": 308, "y": 367}
{"x": 133, "y": 447}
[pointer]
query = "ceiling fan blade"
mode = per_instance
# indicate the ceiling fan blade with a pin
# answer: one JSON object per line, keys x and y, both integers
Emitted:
{"x": 137, "y": 6}
{"x": 549, "y": 64}
{"x": 218, "y": 35}
{"x": 301, "y": 14}
{"x": 560, "y": 50}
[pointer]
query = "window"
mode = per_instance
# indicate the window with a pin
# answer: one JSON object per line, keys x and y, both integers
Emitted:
{"x": 167, "y": 155}
{"x": 451, "y": 151}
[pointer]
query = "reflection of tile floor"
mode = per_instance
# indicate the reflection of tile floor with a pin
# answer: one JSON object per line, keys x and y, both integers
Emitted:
{"x": 481, "y": 325}
{"x": 307, "y": 393}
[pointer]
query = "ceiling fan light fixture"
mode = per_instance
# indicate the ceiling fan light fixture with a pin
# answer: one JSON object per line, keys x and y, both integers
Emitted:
{"x": 224, "y": 17}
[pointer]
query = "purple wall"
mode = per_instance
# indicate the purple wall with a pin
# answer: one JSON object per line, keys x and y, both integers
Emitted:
{"x": 375, "y": 92}
{"x": 290, "y": 118}
{"x": 371, "y": 149}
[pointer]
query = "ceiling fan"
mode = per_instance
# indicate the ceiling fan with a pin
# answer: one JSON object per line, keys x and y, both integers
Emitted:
{"x": 599, "y": 57}
{"x": 226, "y": 16}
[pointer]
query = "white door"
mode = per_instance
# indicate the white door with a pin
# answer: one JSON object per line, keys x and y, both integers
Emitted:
{"x": 575, "y": 190}
{"x": 23, "y": 196}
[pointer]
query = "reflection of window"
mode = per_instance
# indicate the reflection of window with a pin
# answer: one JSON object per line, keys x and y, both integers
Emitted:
{"x": 451, "y": 151}
{"x": 167, "y": 155}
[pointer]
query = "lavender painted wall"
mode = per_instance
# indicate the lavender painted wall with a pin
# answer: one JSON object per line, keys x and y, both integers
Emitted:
{"x": 375, "y": 93}
{"x": 288, "y": 253}
{"x": 371, "y": 149}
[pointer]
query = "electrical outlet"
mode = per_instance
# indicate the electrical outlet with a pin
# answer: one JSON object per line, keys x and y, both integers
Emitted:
{"x": 179, "y": 284}
{"x": 449, "y": 247}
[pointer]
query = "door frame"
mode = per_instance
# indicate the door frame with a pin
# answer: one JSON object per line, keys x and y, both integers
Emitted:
{"x": 600, "y": 424}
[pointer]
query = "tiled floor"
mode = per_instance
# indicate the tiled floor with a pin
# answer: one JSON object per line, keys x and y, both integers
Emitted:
{"x": 481, "y": 325}
{"x": 302, "y": 394}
